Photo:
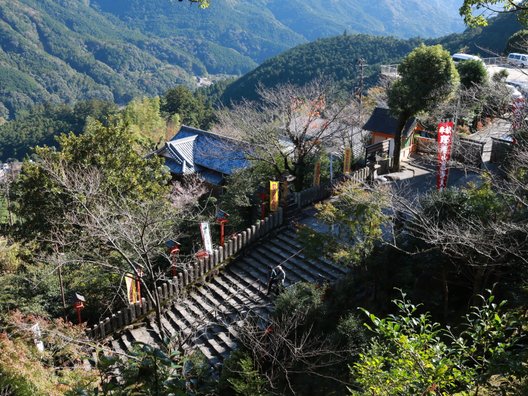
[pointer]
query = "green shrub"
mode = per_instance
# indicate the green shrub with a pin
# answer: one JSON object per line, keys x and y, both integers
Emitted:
{"x": 302, "y": 297}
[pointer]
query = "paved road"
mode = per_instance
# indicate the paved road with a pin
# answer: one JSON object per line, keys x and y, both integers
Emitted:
{"x": 515, "y": 75}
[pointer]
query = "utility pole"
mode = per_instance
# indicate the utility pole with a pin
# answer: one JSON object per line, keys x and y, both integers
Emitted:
{"x": 361, "y": 64}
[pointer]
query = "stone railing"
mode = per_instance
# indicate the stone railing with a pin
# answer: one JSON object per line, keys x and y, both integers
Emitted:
{"x": 318, "y": 193}
{"x": 495, "y": 61}
{"x": 313, "y": 194}
{"x": 500, "y": 150}
{"x": 192, "y": 273}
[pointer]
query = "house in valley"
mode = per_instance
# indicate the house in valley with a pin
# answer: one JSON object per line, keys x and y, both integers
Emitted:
{"x": 383, "y": 126}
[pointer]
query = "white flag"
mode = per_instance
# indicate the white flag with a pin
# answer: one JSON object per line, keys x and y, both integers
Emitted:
{"x": 206, "y": 237}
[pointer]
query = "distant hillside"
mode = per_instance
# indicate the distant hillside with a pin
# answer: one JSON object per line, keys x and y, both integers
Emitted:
{"x": 48, "y": 53}
{"x": 263, "y": 28}
{"x": 476, "y": 41}
{"x": 335, "y": 58}
{"x": 332, "y": 58}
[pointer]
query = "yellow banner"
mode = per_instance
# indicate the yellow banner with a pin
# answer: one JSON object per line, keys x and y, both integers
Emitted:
{"x": 347, "y": 160}
{"x": 274, "y": 196}
{"x": 131, "y": 288}
{"x": 317, "y": 174}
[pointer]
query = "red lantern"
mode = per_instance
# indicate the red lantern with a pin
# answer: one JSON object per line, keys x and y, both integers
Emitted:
{"x": 78, "y": 305}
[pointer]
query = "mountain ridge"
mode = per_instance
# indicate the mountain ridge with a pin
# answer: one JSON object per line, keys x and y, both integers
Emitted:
{"x": 334, "y": 57}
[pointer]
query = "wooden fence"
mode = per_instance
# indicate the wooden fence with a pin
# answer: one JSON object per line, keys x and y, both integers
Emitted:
{"x": 194, "y": 272}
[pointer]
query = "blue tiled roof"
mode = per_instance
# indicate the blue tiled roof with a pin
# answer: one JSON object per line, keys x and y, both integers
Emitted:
{"x": 210, "y": 176}
{"x": 207, "y": 150}
{"x": 182, "y": 151}
{"x": 174, "y": 166}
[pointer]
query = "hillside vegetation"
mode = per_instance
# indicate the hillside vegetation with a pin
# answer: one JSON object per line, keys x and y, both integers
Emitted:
{"x": 260, "y": 28}
{"x": 38, "y": 64}
{"x": 332, "y": 58}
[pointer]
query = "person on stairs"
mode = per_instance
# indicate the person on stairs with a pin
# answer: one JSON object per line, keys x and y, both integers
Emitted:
{"x": 277, "y": 276}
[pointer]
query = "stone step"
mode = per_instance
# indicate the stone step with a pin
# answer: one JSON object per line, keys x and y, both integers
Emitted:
{"x": 181, "y": 311}
{"x": 260, "y": 275}
{"x": 254, "y": 273}
{"x": 168, "y": 326}
{"x": 209, "y": 317}
{"x": 234, "y": 289}
{"x": 236, "y": 300}
{"x": 289, "y": 237}
{"x": 292, "y": 276}
{"x": 197, "y": 316}
{"x": 227, "y": 340}
{"x": 152, "y": 327}
{"x": 293, "y": 268}
{"x": 271, "y": 256}
{"x": 247, "y": 277}
{"x": 208, "y": 354}
{"x": 227, "y": 314}
{"x": 222, "y": 308}
{"x": 240, "y": 284}
{"x": 118, "y": 347}
{"x": 180, "y": 326}
{"x": 201, "y": 304}
{"x": 126, "y": 341}
{"x": 296, "y": 259}
{"x": 142, "y": 335}
{"x": 258, "y": 270}
{"x": 215, "y": 347}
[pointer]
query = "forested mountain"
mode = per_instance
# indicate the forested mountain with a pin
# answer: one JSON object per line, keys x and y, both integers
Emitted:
{"x": 50, "y": 54}
{"x": 331, "y": 58}
{"x": 61, "y": 51}
{"x": 335, "y": 58}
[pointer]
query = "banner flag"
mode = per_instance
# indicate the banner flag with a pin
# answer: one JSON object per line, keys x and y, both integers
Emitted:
{"x": 130, "y": 281}
{"x": 206, "y": 237}
{"x": 347, "y": 160}
{"x": 317, "y": 174}
{"x": 274, "y": 196}
{"x": 445, "y": 140}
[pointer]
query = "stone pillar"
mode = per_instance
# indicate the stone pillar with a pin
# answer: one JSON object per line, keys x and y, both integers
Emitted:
{"x": 220, "y": 254}
{"x": 102, "y": 329}
{"x": 120, "y": 319}
{"x": 131, "y": 313}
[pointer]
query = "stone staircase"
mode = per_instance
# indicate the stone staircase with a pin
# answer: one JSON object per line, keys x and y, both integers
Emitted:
{"x": 208, "y": 316}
